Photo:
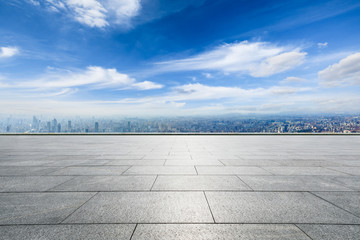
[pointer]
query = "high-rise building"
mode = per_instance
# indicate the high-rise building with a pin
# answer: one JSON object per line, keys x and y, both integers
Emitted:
{"x": 48, "y": 125}
{"x": 59, "y": 127}
{"x": 69, "y": 126}
{"x": 35, "y": 124}
{"x": 54, "y": 126}
{"x": 96, "y": 127}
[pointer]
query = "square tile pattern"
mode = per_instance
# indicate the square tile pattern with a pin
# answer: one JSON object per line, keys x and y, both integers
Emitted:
{"x": 180, "y": 187}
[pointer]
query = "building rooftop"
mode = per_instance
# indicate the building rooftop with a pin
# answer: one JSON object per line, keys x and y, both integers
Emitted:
{"x": 180, "y": 187}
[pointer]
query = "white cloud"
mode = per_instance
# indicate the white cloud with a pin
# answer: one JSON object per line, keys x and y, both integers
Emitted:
{"x": 146, "y": 85}
{"x": 345, "y": 72}
{"x": 88, "y": 12}
{"x": 208, "y": 75}
{"x": 278, "y": 63}
{"x": 95, "y": 13}
{"x": 123, "y": 10}
{"x": 293, "y": 80}
{"x": 6, "y": 52}
{"x": 322, "y": 45}
{"x": 258, "y": 59}
{"x": 92, "y": 77}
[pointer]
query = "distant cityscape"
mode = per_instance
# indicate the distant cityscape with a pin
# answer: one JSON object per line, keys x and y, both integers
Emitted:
{"x": 230, "y": 124}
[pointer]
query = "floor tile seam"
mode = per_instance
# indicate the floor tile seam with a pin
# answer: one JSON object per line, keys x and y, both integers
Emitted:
{"x": 178, "y": 223}
{"x": 50, "y": 189}
{"x": 133, "y": 232}
{"x": 334, "y": 205}
{"x": 165, "y": 190}
{"x": 123, "y": 173}
{"x": 152, "y": 186}
{"x": 222, "y": 162}
{"x": 336, "y": 170}
{"x": 79, "y": 207}
{"x": 207, "y": 202}
{"x": 244, "y": 183}
{"x": 303, "y": 231}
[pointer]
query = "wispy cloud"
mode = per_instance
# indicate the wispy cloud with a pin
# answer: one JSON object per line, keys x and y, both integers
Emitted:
{"x": 258, "y": 59}
{"x": 322, "y": 45}
{"x": 95, "y": 13}
{"x": 93, "y": 77}
{"x": 293, "y": 80}
{"x": 345, "y": 72}
{"x": 7, "y": 52}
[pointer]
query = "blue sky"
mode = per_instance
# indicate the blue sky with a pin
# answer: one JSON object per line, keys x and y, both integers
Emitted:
{"x": 179, "y": 57}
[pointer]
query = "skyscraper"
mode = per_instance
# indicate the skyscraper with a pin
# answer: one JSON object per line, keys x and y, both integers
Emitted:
{"x": 69, "y": 126}
{"x": 96, "y": 127}
{"x": 54, "y": 125}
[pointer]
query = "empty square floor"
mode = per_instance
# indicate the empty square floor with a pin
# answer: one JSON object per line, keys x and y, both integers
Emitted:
{"x": 266, "y": 187}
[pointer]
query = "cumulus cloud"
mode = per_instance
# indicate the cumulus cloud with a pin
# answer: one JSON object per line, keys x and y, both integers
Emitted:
{"x": 93, "y": 77}
{"x": 6, "y": 52}
{"x": 258, "y": 59}
{"x": 345, "y": 72}
{"x": 95, "y": 13}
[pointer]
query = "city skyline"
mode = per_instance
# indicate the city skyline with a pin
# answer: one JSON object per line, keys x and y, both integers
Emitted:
{"x": 210, "y": 124}
{"x": 151, "y": 58}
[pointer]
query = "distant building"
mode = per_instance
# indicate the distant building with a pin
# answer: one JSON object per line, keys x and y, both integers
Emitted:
{"x": 54, "y": 125}
{"x": 48, "y": 125}
{"x": 69, "y": 126}
{"x": 96, "y": 127}
{"x": 59, "y": 127}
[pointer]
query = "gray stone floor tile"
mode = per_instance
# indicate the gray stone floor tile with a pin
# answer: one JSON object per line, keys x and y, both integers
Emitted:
{"x": 24, "y": 163}
{"x": 193, "y": 163}
{"x": 275, "y": 207}
{"x": 94, "y": 170}
{"x": 308, "y": 163}
{"x": 108, "y": 183}
{"x": 137, "y": 162}
{"x": 66, "y": 232}
{"x": 349, "y": 201}
{"x": 241, "y": 162}
{"x": 172, "y": 170}
{"x": 30, "y": 183}
{"x": 348, "y": 170}
{"x": 26, "y": 171}
{"x": 292, "y": 183}
{"x": 331, "y": 232}
{"x": 144, "y": 207}
{"x": 218, "y": 232}
{"x": 39, "y": 208}
{"x": 351, "y": 182}
{"x": 302, "y": 171}
{"x": 232, "y": 170}
{"x": 199, "y": 183}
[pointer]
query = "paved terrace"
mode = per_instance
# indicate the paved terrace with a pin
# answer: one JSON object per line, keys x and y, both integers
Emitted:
{"x": 180, "y": 187}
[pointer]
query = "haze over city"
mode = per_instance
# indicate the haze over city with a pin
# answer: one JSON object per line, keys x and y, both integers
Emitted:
{"x": 178, "y": 58}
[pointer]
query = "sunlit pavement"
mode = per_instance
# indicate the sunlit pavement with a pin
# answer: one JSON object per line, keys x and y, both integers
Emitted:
{"x": 180, "y": 187}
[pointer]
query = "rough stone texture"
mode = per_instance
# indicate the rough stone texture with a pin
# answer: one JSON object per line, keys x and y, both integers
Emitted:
{"x": 275, "y": 207}
{"x": 180, "y": 187}
{"x": 331, "y": 232}
{"x": 66, "y": 232}
{"x": 218, "y": 231}
{"x": 144, "y": 207}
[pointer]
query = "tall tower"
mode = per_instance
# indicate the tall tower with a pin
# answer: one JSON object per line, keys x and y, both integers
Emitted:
{"x": 96, "y": 127}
